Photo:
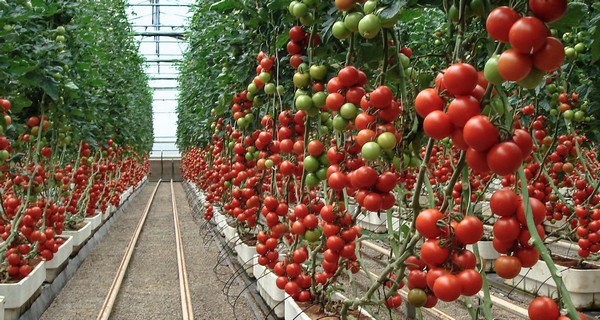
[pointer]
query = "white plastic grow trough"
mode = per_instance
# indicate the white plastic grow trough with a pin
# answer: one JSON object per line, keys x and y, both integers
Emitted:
{"x": 294, "y": 312}
{"x": 54, "y": 266}
{"x": 373, "y": 221}
{"x": 268, "y": 290}
{"x": 245, "y": 255}
{"x": 582, "y": 284}
{"x": 79, "y": 236}
{"x": 231, "y": 236}
{"x": 95, "y": 221}
{"x": 1, "y": 308}
{"x": 18, "y": 295}
{"x": 487, "y": 253}
{"x": 220, "y": 221}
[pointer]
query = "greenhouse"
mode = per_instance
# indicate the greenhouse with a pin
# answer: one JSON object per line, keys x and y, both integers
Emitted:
{"x": 300, "y": 159}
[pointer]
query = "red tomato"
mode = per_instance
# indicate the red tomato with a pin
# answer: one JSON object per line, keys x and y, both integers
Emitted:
{"x": 480, "y": 133}
{"x": 523, "y": 139}
{"x": 477, "y": 161}
{"x": 426, "y": 223}
{"x": 462, "y": 109}
{"x": 538, "y": 209}
{"x": 528, "y": 35}
{"x": 348, "y": 76}
{"x": 514, "y": 66}
{"x": 434, "y": 254}
{"x": 470, "y": 282}
{"x": 507, "y": 267}
{"x": 428, "y": 100}
{"x": 528, "y": 256}
{"x": 438, "y": 125}
{"x": 499, "y": 22}
{"x": 507, "y": 229}
{"x": 551, "y": 56}
{"x": 447, "y": 288}
{"x": 548, "y": 10}
{"x": 460, "y": 79}
{"x": 469, "y": 230}
{"x": 504, "y": 202}
{"x": 504, "y": 158}
{"x": 543, "y": 308}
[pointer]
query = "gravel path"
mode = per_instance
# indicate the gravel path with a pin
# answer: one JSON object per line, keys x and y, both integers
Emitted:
{"x": 208, "y": 299}
{"x": 150, "y": 289}
{"x": 84, "y": 294}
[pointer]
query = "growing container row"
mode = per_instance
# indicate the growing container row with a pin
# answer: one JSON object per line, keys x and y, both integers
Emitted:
{"x": 17, "y": 297}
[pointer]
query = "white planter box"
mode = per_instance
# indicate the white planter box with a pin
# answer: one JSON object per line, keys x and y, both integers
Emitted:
{"x": 220, "y": 221}
{"x": 81, "y": 235}
{"x": 373, "y": 222}
{"x": 257, "y": 269}
{"x": 231, "y": 236}
{"x": 16, "y": 295}
{"x": 95, "y": 221}
{"x": 1, "y": 308}
{"x": 245, "y": 255}
{"x": 110, "y": 209}
{"x": 269, "y": 291}
{"x": 294, "y": 312}
{"x": 551, "y": 227}
{"x": 582, "y": 284}
{"x": 53, "y": 267}
{"x": 487, "y": 254}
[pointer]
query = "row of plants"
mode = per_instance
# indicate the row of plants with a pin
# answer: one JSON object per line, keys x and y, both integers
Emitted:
{"x": 298, "y": 118}
{"x": 76, "y": 126}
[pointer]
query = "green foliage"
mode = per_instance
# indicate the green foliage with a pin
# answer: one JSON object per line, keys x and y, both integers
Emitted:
{"x": 77, "y": 63}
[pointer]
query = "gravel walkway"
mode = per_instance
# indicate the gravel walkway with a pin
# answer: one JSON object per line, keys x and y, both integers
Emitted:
{"x": 150, "y": 289}
{"x": 84, "y": 294}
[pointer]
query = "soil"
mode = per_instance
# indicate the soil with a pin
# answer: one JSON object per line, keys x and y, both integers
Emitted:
{"x": 75, "y": 227}
{"x": 315, "y": 311}
{"x": 574, "y": 263}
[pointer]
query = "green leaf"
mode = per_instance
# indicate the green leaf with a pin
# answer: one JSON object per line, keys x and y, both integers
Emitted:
{"x": 71, "y": 86}
{"x": 392, "y": 10}
{"x": 572, "y": 18}
{"x": 282, "y": 39}
{"x": 19, "y": 103}
{"x": 595, "y": 47}
{"x": 226, "y": 5}
{"x": 278, "y": 4}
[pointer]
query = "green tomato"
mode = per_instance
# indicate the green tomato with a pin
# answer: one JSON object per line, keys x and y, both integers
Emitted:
{"x": 323, "y": 159}
{"x": 340, "y": 31}
{"x": 568, "y": 115}
{"x": 313, "y": 235}
{"x": 299, "y": 10}
{"x": 304, "y": 102}
{"x": 60, "y": 38}
{"x": 231, "y": 144}
{"x": 318, "y": 72}
{"x": 387, "y": 141}
{"x": 369, "y": 26}
{"x": 533, "y": 79}
{"x": 370, "y": 6}
{"x": 310, "y": 3}
{"x": 580, "y": 47}
{"x": 264, "y": 77}
{"x": 299, "y": 92}
{"x": 321, "y": 173}
{"x": 313, "y": 111}
{"x": 257, "y": 101}
{"x": 371, "y": 151}
{"x": 249, "y": 156}
{"x": 490, "y": 71}
{"x": 404, "y": 60}
{"x": 308, "y": 20}
{"x": 352, "y": 19}
{"x": 249, "y": 117}
{"x": 250, "y": 95}
{"x": 348, "y": 111}
{"x": 61, "y": 30}
{"x": 269, "y": 163}
{"x": 339, "y": 123}
{"x": 311, "y": 164}
{"x": 579, "y": 116}
{"x": 311, "y": 180}
{"x": 319, "y": 99}
{"x": 553, "y": 112}
{"x": 242, "y": 123}
{"x": 280, "y": 89}
{"x": 570, "y": 53}
{"x": 4, "y": 155}
{"x": 270, "y": 88}
{"x": 226, "y": 184}
{"x": 476, "y": 7}
{"x": 301, "y": 80}
{"x": 252, "y": 88}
